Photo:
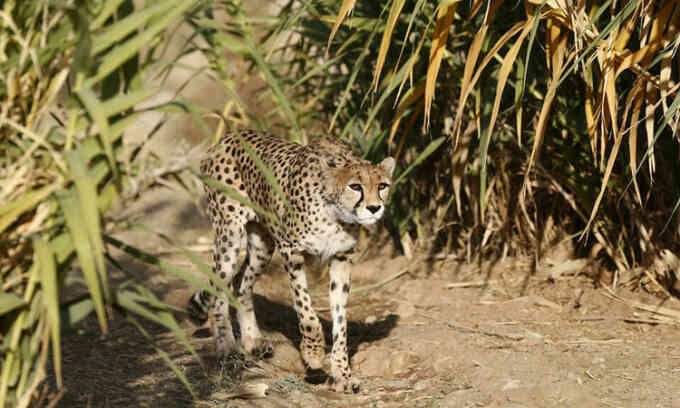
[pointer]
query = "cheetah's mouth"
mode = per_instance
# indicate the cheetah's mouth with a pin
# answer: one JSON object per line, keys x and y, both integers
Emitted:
{"x": 365, "y": 217}
{"x": 368, "y": 220}
{"x": 357, "y": 216}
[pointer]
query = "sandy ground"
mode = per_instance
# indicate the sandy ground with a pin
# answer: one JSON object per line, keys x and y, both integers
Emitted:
{"x": 423, "y": 333}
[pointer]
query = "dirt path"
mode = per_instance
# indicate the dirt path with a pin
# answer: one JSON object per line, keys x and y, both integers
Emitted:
{"x": 415, "y": 341}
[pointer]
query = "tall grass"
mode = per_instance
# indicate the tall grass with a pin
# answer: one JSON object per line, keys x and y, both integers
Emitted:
{"x": 72, "y": 75}
{"x": 515, "y": 125}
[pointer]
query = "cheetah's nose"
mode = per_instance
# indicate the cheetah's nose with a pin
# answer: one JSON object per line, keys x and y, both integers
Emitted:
{"x": 373, "y": 208}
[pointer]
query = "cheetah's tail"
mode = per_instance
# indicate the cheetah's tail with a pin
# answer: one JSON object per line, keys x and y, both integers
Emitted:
{"x": 199, "y": 306}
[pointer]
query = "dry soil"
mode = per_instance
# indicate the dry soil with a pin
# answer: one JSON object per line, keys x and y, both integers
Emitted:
{"x": 424, "y": 332}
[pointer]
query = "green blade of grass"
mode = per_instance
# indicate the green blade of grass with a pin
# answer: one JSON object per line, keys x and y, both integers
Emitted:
{"x": 11, "y": 211}
{"x": 89, "y": 213}
{"x": 353, "y": 77}
{"x": 128, "y": 300}
{"x": 9, "y": 302}
{"x": 202, "y": 266}
{"x": 266, "y": 171}
{"x": 235, "y": 195}
{"x": 129, "y": 48}
{"x": 393, "y": 84}
{"x": 506, "y": 67}
{"x": 74, "y": 311}
{"x": 94, "y": 108}
{"x": 163, "y": 355}
{"x": 79, "y": 235}
{"x": 143, "y": 295}
{"x": 108, "y": 8}
{"x": 167, "y": 267}
{"x": 120, "y": 29}
{"x": 48, "y": 281}
{"x": 13, "y": 338}
{"x": 275, "y": 85}
{"x": 123, "y": 102}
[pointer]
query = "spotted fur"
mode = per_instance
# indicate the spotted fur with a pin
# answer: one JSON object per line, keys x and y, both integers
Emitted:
{"x": 328, "y": 191}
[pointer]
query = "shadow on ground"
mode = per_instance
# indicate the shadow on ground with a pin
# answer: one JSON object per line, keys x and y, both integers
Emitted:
{"x": 122, "y": 368}
{"x": 276, "y": 317}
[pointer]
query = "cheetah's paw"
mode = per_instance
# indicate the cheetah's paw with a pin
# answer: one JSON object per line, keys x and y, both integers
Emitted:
{"x": 232, "y": 363}
{"x": 260, "y": 348}
{"x": 347, "y": 385}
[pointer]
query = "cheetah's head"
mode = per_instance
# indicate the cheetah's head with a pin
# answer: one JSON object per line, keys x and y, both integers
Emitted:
{"x": 359, "y": 190}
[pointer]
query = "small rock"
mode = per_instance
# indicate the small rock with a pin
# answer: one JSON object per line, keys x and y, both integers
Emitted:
{"x": 245, "y": 391}
{"x": 383, "y": 362}
{"x": 575, "y": 377}
{"x": 402, "y": 362}
{"x": 421, "y": 385}
{"x": 397, "y": 384}
{"x": 532, "y": 338}
{"x": 285, "y": 355}
{"x": 444, "y": 365}
{"x": 371, "y": 319}
{"x": 511, "y": 385}
{"x": 373, "y": 361}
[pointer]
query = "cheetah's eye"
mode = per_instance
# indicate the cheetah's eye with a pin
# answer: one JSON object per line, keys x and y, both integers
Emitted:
{"x": 355, "y": 186}
{"x": 383, "y": 186}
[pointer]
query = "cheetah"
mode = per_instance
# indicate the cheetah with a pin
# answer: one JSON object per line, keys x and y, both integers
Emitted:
{"x": 321, "y": 196}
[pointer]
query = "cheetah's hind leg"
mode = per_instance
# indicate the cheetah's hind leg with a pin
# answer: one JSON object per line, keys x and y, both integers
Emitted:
{"x": 230, "y": 241}
{"x": 260, "y": 249}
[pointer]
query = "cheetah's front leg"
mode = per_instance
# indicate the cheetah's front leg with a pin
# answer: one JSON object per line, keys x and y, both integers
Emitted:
{"x": 313, "y": 344}
{"x": 340, "y": 274}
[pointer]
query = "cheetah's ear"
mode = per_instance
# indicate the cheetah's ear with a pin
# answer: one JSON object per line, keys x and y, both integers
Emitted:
{"x": 329, "y": 174}
{"x": 328, "y": 163}
{"x": 388, "y": 165}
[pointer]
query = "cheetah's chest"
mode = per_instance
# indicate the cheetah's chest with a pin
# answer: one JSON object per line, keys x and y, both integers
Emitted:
{"x": 326, "y": 247}
{"x": 329, "y": 240}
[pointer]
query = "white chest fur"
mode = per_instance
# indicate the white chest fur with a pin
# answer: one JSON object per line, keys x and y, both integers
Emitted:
{"x": 331, "y": 239}
{"x": 331, "y": 243}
